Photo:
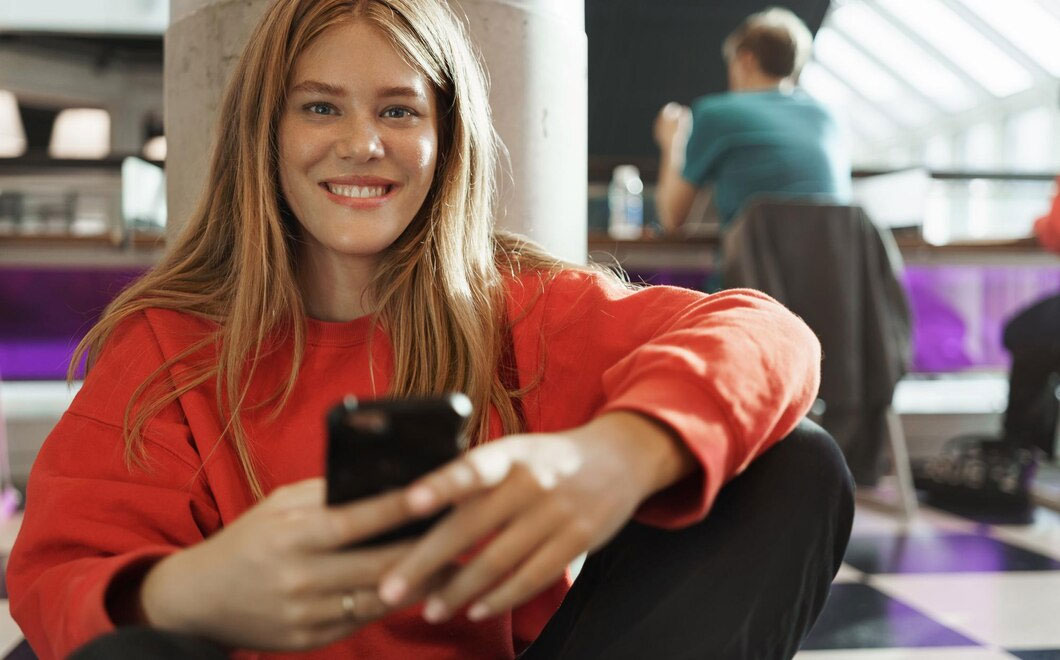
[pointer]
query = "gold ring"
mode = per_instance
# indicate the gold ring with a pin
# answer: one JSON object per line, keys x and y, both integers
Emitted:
{"x": 348, "y": 608}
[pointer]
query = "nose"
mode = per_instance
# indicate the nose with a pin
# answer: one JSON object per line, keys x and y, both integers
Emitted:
{"x": 359, "y": 140}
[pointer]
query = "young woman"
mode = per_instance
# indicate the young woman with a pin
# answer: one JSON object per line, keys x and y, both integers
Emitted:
{"x": 345, "y": 245}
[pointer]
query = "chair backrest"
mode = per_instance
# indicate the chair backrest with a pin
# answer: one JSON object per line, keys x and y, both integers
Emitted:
{"x": 832, "y": 266}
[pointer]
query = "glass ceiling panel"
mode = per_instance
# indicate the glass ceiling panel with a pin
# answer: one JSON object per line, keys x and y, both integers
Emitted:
{"x": 963, "y": 44}
{"x": 868, "y": 78}
{"x": 1029, "y": 26}
{"x": 863, "y": 118}
{"x": 902, "y": 54}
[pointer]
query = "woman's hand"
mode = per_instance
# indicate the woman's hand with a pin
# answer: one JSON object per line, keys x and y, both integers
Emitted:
{"x": 278, "y": 578}
{"x": 547, "y": 498}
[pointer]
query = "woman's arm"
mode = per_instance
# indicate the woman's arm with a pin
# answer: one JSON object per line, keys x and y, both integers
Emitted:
{"x": 639, "y": 390}
{"x": 104, "y": 544}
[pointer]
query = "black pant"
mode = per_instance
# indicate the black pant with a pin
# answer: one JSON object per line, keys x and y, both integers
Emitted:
{"x": 747, "y": 582}
{"x": 1033, "y": 339}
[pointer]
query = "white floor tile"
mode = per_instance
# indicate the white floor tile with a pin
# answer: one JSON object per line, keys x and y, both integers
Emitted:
{"x": 1016, "y": 610}
{"x": 954, "y": 394}
{"x": 8, "y": 532}
{"x": 1042, "y": 535}
{"x": 872, "y": 520}
{"x": 960, "y": 653}
{"x": 38, "y": 398}
{"x": 10, "y": 635}
{"x": 847, "y": 573}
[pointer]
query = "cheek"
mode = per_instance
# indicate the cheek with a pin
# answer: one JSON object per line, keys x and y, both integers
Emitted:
{"x": 426, "y": 155}
{"x": 299, "y": 148}
{"x": 299, "y": 151}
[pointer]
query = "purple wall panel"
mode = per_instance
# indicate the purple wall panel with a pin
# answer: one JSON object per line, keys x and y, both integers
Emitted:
{"x": 44, "y": 313}
{"x": 959, "y": 311}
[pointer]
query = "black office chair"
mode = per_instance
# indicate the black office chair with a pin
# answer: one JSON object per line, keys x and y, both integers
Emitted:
{"x": 833, "y": 267}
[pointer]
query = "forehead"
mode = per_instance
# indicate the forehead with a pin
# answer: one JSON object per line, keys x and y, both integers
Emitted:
{"x": 355, "y": 54}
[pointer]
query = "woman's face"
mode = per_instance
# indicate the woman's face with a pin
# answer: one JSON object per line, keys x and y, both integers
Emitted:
{"x": 358, "y": 144}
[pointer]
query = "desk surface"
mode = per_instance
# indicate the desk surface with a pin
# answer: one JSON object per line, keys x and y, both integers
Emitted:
{"x": 691, "y": 251}
{"x": 697, "y": 251}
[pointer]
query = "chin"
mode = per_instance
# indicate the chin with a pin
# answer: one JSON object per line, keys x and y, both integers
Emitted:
{"x": 360, "y": 245}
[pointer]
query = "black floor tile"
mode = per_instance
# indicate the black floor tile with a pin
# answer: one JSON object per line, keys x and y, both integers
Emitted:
{"x": 857, "y": 616}
{"x": 986, "y": 515}
{"x": 21, "y": 652}
{"x": 942, "y": 553}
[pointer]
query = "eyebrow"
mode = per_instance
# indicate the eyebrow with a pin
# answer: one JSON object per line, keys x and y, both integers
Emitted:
{"x": 317, "y": 87}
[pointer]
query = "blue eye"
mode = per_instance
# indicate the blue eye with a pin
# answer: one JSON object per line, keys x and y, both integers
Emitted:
{"x": 398, "y": 112}
{"x": 319, "y": 108}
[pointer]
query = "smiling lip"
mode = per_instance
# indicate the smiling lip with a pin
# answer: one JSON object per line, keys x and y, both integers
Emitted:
{"x": 375, "y": 201}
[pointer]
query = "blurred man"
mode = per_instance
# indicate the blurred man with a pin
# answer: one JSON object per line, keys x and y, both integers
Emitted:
{"x": 763, "y": 136}
{"x": 1033, "y": 338}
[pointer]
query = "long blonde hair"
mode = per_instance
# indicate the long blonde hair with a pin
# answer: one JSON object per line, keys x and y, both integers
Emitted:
{"x": 439, "y": 287}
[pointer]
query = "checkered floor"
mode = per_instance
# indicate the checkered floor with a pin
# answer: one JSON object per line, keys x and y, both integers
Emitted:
{"x": 939, "y": 587}
{"x": 942, "y": 587}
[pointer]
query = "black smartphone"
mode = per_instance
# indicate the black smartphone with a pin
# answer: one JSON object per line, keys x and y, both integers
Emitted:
{"x": 381, "y": 444}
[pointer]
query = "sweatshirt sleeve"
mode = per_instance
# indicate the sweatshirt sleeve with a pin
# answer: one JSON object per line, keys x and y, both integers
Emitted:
{"x": 1047, "y": 227}
{"x": 91, "y": 520}
{"x": 730, "y": 374}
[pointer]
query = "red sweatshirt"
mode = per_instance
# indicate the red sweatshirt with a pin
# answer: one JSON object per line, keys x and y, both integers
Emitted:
{"x": 732, "y": 373}
{"x": 1047, "y": 227}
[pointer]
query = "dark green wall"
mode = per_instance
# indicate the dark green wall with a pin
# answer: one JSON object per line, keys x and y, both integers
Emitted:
{"x": 643, "y": 53}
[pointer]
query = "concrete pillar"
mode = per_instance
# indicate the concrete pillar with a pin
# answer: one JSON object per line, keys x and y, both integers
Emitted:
{"x": 536, "y": 55}
{"x": 203, "y": 44}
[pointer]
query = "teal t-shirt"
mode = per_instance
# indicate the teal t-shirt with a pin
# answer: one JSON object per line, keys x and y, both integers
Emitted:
{"x": 771, "y": 141}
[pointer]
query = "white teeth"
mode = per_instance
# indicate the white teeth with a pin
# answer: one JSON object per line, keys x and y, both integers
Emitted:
{"x": 357, "y": 191}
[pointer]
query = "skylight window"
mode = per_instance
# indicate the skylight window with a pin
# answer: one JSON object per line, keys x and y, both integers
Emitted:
{"x": 980, "y": 147}
{"x": 890, "y": 46}
{"x": 1025, "y": 23}
{"x": 1025, "y": 148}
{"x": 860, "y": 116}
{"x": 963, "y": 44}
{"x": 868, "y": 78}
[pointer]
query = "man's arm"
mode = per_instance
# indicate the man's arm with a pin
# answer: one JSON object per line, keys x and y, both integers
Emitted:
{"x": 673, "y": 195}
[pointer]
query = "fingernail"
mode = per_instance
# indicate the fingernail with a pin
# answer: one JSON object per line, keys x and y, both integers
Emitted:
{"x": 392, "y": 590}
{"x": 478, "y": 611}
{"x": 420, "y": 498}
{"x": 435, "y": 610}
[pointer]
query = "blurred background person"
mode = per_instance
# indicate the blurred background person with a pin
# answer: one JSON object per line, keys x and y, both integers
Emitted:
{"x": 763, "y": 136}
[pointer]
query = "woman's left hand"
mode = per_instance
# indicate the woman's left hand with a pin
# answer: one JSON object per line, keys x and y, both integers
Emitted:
{"x": 546, "y": 497}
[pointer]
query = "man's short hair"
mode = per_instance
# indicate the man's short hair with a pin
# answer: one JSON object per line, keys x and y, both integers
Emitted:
{"x": 778, "y": 39}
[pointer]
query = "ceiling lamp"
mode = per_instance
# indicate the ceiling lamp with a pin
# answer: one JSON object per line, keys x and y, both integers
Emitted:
{"x": 81, "y": 133}
{"x": 155, "y": 148}
{"x": 12, "y": 135}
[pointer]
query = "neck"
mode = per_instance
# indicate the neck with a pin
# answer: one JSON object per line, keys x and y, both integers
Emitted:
{"x": 335, "y": 288}
{"x": 761, "y": 82}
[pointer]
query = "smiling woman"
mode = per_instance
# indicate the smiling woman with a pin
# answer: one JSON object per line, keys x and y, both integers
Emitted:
{"x": 358, "y": 143}
{"x": 345, "y": 246}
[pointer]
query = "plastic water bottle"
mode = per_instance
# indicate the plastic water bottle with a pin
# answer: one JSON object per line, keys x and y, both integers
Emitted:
{"x": 625, "y": 202}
